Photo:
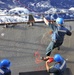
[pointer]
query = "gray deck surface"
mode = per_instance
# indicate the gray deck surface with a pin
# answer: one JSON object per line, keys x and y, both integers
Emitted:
{"x": 24, "y": 45}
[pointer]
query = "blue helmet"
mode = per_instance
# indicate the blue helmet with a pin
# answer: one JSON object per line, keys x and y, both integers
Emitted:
{"x": 5, "y": 63}
{"x": 58, "y": 58}
{"x": 60, "y": 21}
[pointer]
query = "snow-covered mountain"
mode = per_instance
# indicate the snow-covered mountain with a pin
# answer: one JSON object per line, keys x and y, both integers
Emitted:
{"x": 6, "y": 4}
{"x": 35, "y": 7}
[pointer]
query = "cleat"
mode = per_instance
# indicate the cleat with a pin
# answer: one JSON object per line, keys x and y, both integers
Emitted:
{"x": 41, "y": 58}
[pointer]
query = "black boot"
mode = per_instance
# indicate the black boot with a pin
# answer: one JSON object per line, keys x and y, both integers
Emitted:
{"x": 59, "y": 48}
{"x": 48, "y": 54}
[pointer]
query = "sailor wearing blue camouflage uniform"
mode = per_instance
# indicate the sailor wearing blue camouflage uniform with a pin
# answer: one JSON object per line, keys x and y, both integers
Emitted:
{"x": 59, "y": 31}
{"x": 5, "y": 67}
{"x": 59, "y": 67}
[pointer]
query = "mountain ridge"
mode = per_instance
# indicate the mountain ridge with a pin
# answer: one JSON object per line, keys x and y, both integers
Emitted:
{"x": 37, "y": 5}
